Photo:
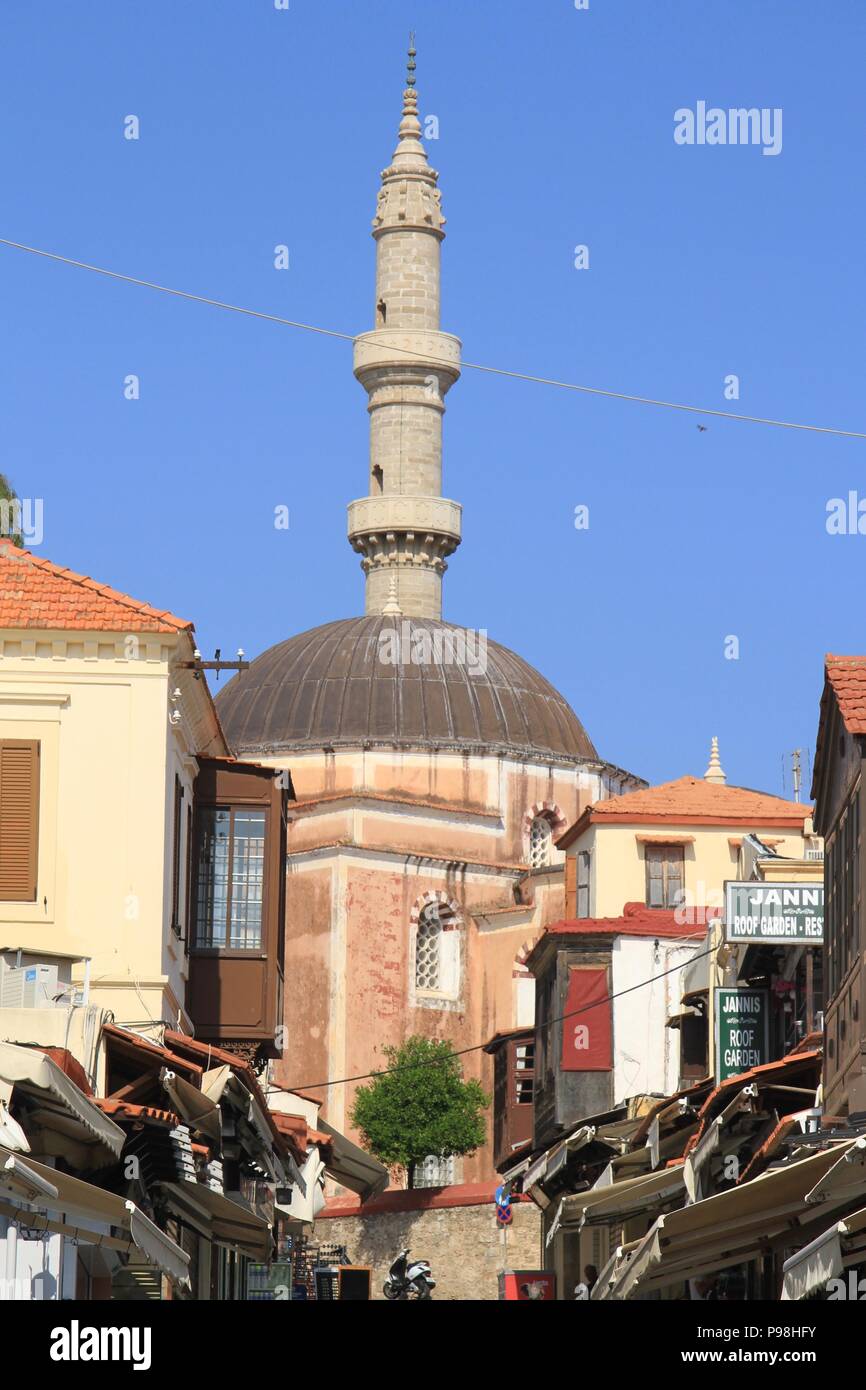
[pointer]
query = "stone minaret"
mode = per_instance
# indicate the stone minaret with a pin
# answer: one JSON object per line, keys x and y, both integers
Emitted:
{"x": 404, "y": 528}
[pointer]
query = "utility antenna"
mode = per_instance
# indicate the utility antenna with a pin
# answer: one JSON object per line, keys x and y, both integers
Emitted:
{"x": 795, "y": 764}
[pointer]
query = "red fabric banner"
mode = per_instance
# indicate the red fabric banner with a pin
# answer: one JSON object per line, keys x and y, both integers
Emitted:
{"x": 587, "y": 1036}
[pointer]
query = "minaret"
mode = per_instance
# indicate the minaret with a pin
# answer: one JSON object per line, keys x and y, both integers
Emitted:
{"x": 404, "y": 528}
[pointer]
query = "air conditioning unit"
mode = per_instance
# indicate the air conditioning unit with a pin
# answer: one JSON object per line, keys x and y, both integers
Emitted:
{"x": 31, "y": 987}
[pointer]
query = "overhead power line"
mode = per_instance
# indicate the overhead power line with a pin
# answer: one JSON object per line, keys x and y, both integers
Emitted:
{"x": 468, "y": 366}
{"x": 479, "y": 1047}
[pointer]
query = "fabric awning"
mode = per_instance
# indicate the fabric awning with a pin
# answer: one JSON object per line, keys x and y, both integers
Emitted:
{"x": 74, "y": 1201}
{"x": 353, "y": 1166}
{"x": 226, "y": 1220}
{"x": 735, "y": 1226}
{"x": 711, "y": 1141}
{"x": 68, "y": 1124}
{"x": 825, "y": 1258}
{"x": 199, "y": 1111}
{"x": 625, "y": 1200}
{"x": 576, "y": 1208}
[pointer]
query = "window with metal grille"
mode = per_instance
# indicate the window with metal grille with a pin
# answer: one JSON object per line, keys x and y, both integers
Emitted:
{"x": 229, "y": 879}
{"x": 428, "y": 949}
{"x": 435, "y": 1171}
{"x": 540, "y": 840}
{"x": 665, "y": 872}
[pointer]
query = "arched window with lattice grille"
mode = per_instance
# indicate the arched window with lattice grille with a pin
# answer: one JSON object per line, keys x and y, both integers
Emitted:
{"x": 540, "y": 842}
{"x": 437, "y": 953}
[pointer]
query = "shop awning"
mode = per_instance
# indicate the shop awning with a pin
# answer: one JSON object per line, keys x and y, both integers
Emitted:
{"x": 625, "y": 1200}
{"x": 827, "y": 1257}
{"x": 712, "y": 1140}
{"x": 199, "y": 1111}
{"x": 226, "y": 1221}
{"x": 735, "y": 1226}
{"x": 58, "y": 1113}
{"x": 353, "y": 1166}
{"x": 73, "y": 1201}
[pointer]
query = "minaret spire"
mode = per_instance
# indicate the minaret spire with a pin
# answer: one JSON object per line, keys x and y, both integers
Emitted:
{"x": 404, "y": 528}
{"x": 714, "y": 772}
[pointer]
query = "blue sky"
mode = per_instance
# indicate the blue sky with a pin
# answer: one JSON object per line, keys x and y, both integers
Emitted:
{"x": 260, "y": 127}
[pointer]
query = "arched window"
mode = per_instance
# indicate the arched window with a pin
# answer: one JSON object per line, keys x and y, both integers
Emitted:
{"x": 428, "y": 949}
{"x": 437, "y": 952}
{"x": 540, "y": 842}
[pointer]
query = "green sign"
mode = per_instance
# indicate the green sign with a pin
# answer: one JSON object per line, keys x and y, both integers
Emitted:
{"x": 742, "y": 1030}
{"x": 775, "y": 914}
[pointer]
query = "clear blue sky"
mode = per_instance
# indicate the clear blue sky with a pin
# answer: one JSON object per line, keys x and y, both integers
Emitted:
{"x": 261, "y": 127}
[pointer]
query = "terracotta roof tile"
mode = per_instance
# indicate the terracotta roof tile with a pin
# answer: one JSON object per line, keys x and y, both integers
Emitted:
{"x": 34, "y": 593}
{"x": 847, "y": 676}
{"x": 692, "y": 801}
{"x": 636, "y": 920}
{"x": 692, "y": 796}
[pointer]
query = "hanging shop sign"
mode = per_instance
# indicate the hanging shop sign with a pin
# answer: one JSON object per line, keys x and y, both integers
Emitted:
{"x": 775, "y": 914}
{"x": 742, "y": 1031}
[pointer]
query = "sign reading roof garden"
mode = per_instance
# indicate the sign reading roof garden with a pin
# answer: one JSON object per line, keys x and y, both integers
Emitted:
{"x": 782, "y": 914}
{"x": 742, "y": 1031}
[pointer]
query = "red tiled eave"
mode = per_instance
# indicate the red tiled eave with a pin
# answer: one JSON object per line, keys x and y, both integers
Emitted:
{"x": 846, "y": 676}
{"x": 35, "y": 593}
{"x": 692, "y": 801}
{"x": 418, "y": 1199}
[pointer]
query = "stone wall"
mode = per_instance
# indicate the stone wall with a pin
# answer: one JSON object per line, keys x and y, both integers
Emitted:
{"x": 463, "y": 1243}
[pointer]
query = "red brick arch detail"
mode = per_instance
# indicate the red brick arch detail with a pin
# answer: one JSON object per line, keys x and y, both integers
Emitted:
{"x": 551, "y": 812}
{"x": 442, "y": 900}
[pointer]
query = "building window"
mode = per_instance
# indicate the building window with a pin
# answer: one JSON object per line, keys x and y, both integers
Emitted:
{"x": 540, "y": 841}
{"x": 665, "y": 873}
{"x": 437, "y": 952}
{"x": 229, "y": 879}
{"x": 176, "y": 833}
{"x": 435, "y": 1171}
{"x": 524, "y": 1073}
{"x": 19, "y": 819}
{"x": 583, "y": 870}
{"x": 843, "y": 892}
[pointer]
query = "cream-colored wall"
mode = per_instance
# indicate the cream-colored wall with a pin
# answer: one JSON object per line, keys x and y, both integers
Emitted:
{"x": 100, "y": 706}
{"x": 618, "y": 863}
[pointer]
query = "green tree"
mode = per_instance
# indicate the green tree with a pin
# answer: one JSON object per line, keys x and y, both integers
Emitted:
{"x": 8, "y": 494}
{"x": 420, "y": 1106}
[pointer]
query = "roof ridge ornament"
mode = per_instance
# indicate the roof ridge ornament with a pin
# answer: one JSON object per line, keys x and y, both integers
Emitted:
{"x": 714, "y": 772}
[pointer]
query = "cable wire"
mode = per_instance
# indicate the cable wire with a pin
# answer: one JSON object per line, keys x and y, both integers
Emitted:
{"x": 479, "y": 1047}
{"x": 436, "y": 361}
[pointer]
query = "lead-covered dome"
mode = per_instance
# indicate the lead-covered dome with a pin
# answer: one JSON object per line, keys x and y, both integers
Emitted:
{"x": 395, "y": 681}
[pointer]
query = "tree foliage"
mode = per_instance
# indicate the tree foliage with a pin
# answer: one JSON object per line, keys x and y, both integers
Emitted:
{"x": 420, "y": 1106}
{"x": 8, "y": 494}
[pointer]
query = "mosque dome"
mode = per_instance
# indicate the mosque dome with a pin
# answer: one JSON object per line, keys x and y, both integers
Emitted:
{"x": 398, "y": 682}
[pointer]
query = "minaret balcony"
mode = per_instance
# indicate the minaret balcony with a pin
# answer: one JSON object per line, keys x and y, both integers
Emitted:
{"x": 403, "y": 512}
{"x": 425, "y": 349}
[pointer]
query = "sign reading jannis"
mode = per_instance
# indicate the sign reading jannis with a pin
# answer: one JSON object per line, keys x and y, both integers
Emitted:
{"x": 788, "y": 914}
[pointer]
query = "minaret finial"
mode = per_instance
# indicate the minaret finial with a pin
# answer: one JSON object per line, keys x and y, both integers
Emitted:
{"x": 393, "y": 605}
{"x": 714, "y": 771}
{"x": 410, "y": 66}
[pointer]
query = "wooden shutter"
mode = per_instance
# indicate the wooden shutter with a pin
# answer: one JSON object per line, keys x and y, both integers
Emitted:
{"x": 19, "y": 819}
{"x": 655, "y": 893}
{"x": 571, "y": 885}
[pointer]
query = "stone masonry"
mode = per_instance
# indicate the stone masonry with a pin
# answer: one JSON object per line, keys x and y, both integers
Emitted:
{"x": 463, "y": 1244}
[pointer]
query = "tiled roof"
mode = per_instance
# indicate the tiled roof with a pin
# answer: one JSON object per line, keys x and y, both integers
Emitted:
{"x": 34, "y": 593}
{"x": 691, "y": 801}
{"x": 636, "y": 920}
{"x": 847, "y": 676}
